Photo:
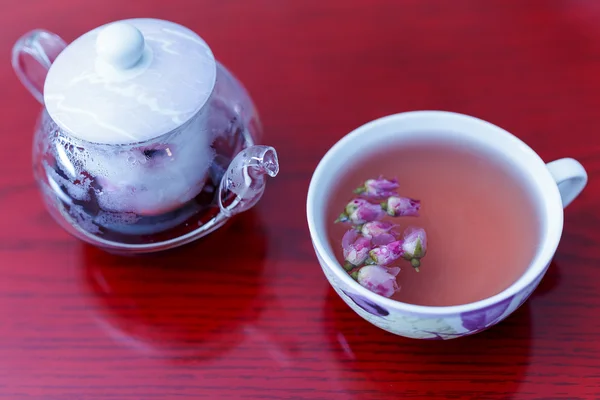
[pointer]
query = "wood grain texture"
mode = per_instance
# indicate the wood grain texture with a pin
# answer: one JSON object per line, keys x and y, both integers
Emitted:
{"x": 261, "y": 322}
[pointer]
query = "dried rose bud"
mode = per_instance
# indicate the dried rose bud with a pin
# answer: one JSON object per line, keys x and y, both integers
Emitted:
{"x": 401, "y": 206}
{"x": 379, "y": 188}
{"x": 415, "y": 246}
{"x": 380, "y": 232}
{"x": 359, "y": 211}
{"x": 383, "y": 239}
{"x": 379, "y": 279}
{"x": 356, "y": 249}
{"x": 376, "y": 228}
{"x": 386, "y": 254}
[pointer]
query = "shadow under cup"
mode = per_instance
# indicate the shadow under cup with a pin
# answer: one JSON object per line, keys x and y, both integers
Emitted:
{"x": 422, "y": 127}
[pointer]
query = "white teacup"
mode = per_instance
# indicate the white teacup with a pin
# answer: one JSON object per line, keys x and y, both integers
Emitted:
{"x": 555, "y": 185}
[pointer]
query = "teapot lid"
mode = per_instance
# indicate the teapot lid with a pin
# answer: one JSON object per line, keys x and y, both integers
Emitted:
{"x": 129, "y": 81}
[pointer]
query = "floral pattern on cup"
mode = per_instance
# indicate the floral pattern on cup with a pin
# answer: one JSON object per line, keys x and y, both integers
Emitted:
{"x": 367, "y": 305}
{"x": 421, "y": 326}
{"x": 440, "y": 336}
{"x": 479, "y": 320}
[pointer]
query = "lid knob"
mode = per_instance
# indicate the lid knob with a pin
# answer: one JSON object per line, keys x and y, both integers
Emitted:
{"x": 120, "y": 44}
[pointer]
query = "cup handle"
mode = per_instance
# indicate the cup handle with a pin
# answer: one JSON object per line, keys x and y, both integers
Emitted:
{"x": 570, "y": 177}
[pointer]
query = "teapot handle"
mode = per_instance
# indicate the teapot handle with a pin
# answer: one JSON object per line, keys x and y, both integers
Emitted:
{"x": 32, "y": 56}
{"x": 246, "y": 178}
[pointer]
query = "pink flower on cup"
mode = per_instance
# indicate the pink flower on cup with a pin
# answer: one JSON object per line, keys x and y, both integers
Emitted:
{"x": 359, "y": 211}
{"x": 414, "y": 246}
{"x": 387, "y": 254}
{"x": 379, "y": 279}
{"x": 401, "y": 206}
{"x": 379, "y": 188}
{"x": 356, "y": 249}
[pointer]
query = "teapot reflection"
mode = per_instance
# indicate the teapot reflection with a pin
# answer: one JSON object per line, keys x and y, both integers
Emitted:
{"x": 191, "y": 303}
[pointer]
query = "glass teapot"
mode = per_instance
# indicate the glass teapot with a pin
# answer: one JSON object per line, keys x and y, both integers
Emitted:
{"x": 146, "y": 142}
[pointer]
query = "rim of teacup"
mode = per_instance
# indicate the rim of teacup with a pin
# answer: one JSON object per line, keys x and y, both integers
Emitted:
{"x": 552, "y": 213}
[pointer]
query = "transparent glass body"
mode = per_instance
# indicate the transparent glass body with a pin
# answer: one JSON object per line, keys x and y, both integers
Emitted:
{"x": 154, "y": 195}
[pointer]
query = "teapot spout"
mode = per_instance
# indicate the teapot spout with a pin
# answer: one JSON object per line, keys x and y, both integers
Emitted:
{"x": 246, "y": 179}
{"x": 32, "y": 56}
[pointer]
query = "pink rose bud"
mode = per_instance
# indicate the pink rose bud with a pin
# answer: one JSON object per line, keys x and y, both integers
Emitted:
{"x": 383, "y": 239}
{"x": 401, "y": 206}
{"x": 379, "y": 279}
{"x": 359, "y": 211}
{"x": 414, "y": 246}
{"x": 356, "y": 249}
{"x": 379, "y": 188}
{"x": 376, "y": 228}
{"x": 386, "y": 254}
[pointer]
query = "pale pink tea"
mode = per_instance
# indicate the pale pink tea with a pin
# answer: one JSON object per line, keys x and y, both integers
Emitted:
{"x": 482, "y": 226}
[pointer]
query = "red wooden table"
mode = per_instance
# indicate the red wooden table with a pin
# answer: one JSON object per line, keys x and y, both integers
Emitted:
{"x": 262, "y": 322}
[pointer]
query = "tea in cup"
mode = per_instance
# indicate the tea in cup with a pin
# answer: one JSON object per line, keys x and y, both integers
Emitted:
{"x": 469, "y": 206}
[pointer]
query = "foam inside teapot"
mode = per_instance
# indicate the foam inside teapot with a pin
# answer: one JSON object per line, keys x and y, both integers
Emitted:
{"x": 154, "y": 178}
